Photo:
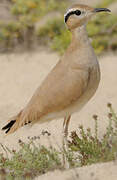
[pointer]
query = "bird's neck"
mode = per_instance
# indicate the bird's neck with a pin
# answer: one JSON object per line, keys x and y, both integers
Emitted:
{"x": 79, "y": 37}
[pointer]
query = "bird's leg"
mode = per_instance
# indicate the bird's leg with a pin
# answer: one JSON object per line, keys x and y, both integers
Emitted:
{"x": 65, "y": 127}
{"x": 65, "y": 134}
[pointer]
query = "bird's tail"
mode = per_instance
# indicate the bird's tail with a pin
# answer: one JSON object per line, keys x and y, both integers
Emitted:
{"x": 13, "y": 124}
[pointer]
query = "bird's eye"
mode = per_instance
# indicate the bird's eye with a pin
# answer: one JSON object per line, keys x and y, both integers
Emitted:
{"x": 78, "y": 12}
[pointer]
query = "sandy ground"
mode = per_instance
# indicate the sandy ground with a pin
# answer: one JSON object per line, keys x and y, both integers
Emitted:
{"x": 103, "y": 171}
{"x": 21, "y": 74}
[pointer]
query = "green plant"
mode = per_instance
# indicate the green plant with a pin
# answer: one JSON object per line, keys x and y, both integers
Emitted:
{"x": 51, "y": 29}
{"x": 61, "y": 42}
{"x": 29, "y": 161}
{"x": 36, "y": 8}
{"x": 91, "y": 149}
{"x": 103, "y": 34}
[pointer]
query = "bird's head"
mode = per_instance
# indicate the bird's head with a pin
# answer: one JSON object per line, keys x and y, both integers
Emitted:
{"x": 78, "y": 15}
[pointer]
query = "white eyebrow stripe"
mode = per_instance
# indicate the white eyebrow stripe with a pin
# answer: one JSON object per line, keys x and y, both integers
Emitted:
{"x": 70, "y": 10}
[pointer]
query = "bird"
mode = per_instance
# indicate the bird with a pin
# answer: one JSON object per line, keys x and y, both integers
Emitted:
{"x": 71, "y": 83}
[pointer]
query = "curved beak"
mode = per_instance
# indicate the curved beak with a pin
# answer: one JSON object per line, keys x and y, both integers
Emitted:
{"x": 101, "y": 9}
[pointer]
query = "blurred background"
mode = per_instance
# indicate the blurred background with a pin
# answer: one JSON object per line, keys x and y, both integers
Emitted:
{"x": 29, "y": 24}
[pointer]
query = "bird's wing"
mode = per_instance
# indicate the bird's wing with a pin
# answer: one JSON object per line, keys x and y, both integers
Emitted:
{"x": 62, "y": 87}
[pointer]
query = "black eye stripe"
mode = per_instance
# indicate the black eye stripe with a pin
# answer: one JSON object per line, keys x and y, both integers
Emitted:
{"x": 77, "y": 12}
{"x": 68, "y": 15}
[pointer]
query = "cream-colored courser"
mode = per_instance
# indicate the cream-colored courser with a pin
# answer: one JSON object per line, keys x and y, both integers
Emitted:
{"x": 71, "y": 83}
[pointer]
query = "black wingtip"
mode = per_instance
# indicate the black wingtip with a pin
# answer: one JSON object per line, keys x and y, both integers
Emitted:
{"x": 7, "y": 130}
{"x": 9, "y": 125}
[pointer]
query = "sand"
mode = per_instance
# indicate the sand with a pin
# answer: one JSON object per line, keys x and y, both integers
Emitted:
{"x": 21, "y": 74}
{"x": 102, "y": 171}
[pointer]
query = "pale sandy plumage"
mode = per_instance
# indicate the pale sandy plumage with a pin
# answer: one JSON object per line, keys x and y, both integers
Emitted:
{"x": 71, "y": 83}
